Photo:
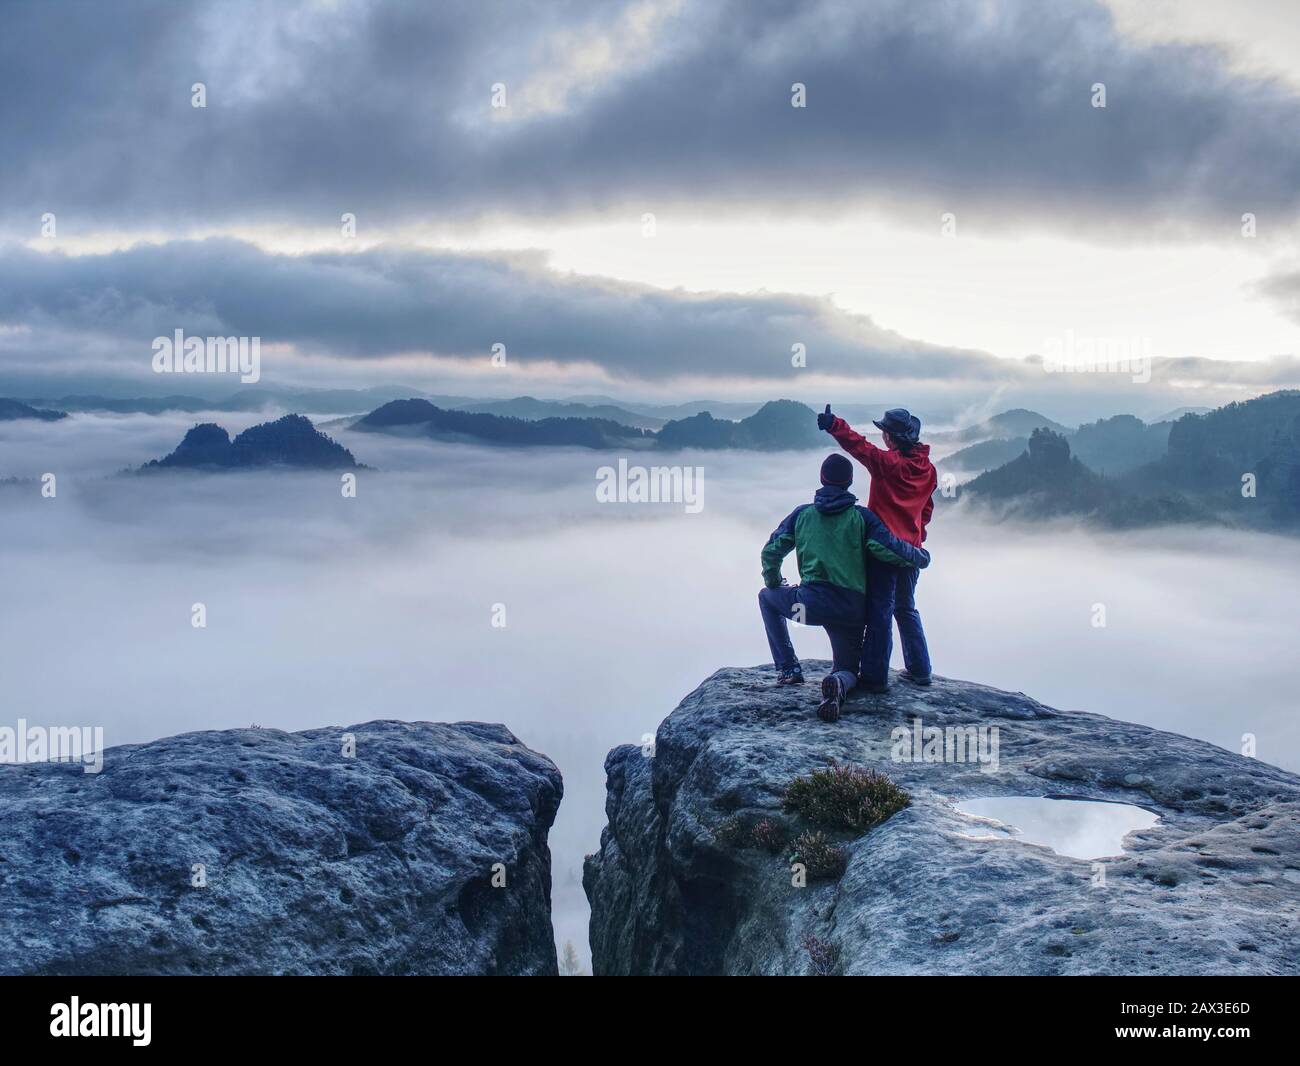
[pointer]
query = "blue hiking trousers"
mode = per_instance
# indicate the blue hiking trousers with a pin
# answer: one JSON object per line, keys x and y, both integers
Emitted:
{"x": 841, "y": 612}
{"x": 891, "y": 597}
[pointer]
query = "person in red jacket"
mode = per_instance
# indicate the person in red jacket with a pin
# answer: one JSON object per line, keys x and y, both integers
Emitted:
{"x": 903, "y": 481}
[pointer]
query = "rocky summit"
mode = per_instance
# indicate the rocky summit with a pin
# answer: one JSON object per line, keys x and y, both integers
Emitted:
{"x": 383, "y": 848}
{"x": 291, "y": 441}
{"x": 712, "y": 864}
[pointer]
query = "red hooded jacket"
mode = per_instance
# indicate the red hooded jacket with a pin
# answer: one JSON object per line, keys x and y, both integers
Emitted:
{"x": 901, "y": 485}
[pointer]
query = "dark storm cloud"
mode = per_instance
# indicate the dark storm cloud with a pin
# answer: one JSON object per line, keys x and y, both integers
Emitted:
{"x": 383, "y": 108}
{"x": 309, "y": 106}
{"x": 388, "y": 301}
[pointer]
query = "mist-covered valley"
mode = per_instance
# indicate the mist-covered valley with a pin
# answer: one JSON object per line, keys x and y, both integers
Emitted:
{"x": 324, "y": 609}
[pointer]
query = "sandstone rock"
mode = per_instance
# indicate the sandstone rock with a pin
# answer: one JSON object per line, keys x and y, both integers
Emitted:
{"x": 315, "y": 863}
{"x": 677, "y": 886}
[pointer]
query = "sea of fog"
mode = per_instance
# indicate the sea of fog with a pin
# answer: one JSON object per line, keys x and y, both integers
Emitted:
{"x": 324, "y": 610}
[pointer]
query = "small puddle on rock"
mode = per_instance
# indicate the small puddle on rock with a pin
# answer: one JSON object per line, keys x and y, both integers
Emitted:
{"x": 1081, "y": 829}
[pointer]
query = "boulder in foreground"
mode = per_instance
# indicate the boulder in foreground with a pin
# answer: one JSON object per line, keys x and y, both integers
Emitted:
{"x": 312, "y": 862}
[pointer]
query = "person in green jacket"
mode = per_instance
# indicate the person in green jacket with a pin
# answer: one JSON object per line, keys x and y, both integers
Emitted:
{"x": 832, "y": 538}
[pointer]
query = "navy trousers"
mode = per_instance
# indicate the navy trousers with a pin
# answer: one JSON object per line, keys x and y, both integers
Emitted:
{"x": 839, "y": 611}
{"x": 891, "y": 597}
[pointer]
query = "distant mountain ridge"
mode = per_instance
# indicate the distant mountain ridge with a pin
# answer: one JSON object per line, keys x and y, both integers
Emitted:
{"x": 12, "y": 410}
{"x": 1178, "y": 412}
{"x": 533, "y": 409}
{"x": 777, "y": 425}
{"x": 1243, "y": 459}
{"x": 1112, "y": 445}
{"x": 1046, "y": 481}
{"x": 780, "y": 425}
{"x": 1238, "y": 464}
{"x": 351, "y": 405}
{"x": 1119, "y": 444}
{"x": 732, "y": 410}
{"x": 1017, "y": 422}
{"x": 317, "y": 401}
{"x": 426, "y": 419}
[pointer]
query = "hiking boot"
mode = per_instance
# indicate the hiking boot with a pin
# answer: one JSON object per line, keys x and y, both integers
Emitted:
{"x": 832, "y": 696}
{"x": 790, "y": 677}
{"x": 875, "y": 690}
{"x": 912, "y": 680}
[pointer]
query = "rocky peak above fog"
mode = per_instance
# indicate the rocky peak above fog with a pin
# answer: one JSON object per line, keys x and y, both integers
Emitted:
{"x": 289, "y": 441}
{"x": 694, "y": 871}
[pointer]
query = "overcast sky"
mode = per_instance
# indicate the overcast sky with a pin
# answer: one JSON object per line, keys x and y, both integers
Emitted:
{"x": 648, "y": 214}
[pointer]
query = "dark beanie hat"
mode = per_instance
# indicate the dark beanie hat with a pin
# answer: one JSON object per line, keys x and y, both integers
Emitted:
{"x": 837, "y": 470}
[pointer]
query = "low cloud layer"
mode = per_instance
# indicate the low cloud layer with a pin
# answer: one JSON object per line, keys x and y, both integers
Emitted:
{"x": 384, "y": 109}
{"x": 324, "y": 610}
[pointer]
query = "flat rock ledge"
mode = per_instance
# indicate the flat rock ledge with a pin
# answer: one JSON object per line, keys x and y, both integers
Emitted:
{"x": 678, "y": 886}
{"x": 256, "y": 851}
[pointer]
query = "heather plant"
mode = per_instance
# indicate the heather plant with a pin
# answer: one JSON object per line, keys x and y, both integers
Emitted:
{"x": 769, "y": 835}
{"x": 845, "y": 797}
{"x": 732, "y": 832}
{"x": 821, "y": 858}
{"x": 823, "y": 956}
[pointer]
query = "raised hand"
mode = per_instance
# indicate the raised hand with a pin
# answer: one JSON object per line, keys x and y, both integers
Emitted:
{"x": 825, "y": 419}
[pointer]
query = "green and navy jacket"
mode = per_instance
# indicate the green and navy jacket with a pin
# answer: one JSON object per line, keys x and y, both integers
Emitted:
{"x": 832, "y": 540}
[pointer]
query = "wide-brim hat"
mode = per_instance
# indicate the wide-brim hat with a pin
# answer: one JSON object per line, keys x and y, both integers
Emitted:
{"x": 900, "y": 424}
